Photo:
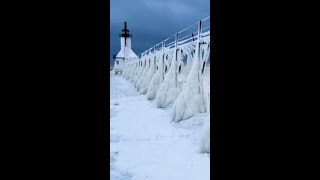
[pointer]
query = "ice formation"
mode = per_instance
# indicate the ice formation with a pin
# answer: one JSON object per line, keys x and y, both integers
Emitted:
{"x": 143, "y": 75}
{"x": 170, "y": 88}
{"x": 185, "y": 68}
{"x": 205, "y": 140}
{"x": 136, "y": 71}
{"x": 158, "y": 78}
{"x": 147, "y": 78}
{"x": 154, "y": 85}
{"x": 139, "y": 72}
{"x": 191, "y": 100}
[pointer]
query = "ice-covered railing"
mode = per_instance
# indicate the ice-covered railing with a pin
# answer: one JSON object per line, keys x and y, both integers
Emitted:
{"x": 186, "y": 36}
{"x": 173, "y": 67}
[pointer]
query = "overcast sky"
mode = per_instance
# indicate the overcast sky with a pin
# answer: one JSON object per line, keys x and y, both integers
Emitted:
{"x": 151, "y": 21}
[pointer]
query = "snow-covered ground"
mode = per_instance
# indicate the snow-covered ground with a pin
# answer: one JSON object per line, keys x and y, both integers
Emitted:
{"x": 145, "y": 144}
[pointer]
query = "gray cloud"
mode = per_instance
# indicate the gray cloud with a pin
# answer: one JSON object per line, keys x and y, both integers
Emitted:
{"x": 151, "y": 21}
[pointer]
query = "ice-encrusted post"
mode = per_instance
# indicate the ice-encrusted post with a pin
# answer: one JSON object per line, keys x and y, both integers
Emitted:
{"x": 158, "y": 78}
{"x": 141, "y": 70}
{"x": 169, "y": 89}
{"x": 189, "y": 51}
{"x": 190, "y": 101}
{"x": 176, "y": 59}
{"x": 155, "y": 56}
{"x": 143, "y": 77}
{"x": 163, "y": 54}
{"x": 147, "y": 78}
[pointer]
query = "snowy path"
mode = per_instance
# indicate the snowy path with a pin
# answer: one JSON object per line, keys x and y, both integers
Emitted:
{"x": 144, "y": 144}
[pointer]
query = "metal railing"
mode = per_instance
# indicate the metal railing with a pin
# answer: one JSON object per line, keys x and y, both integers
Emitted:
{"x": 190, "y": 34}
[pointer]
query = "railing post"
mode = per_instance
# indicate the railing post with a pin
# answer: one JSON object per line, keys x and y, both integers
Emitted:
{"x": 199, "y": 30}
{"x": 155, "y": 56}
{"x": 163, "y": 44}
{"x": 199, "y": 53}
{"x": 163, "y": 56}
{"x": 176, "y": 41}
{"x": 176, "y": 59}
{"x": 198, "y": 40}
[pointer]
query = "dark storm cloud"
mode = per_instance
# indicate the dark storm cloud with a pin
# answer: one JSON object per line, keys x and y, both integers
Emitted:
{"x": 151, "y": 21}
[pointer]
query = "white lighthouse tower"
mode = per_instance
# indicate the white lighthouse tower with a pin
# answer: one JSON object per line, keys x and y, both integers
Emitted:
{"x": 125, "y": 53}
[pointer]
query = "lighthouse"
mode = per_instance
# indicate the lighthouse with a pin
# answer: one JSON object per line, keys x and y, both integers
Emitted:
{"x": 125, "y": 54}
